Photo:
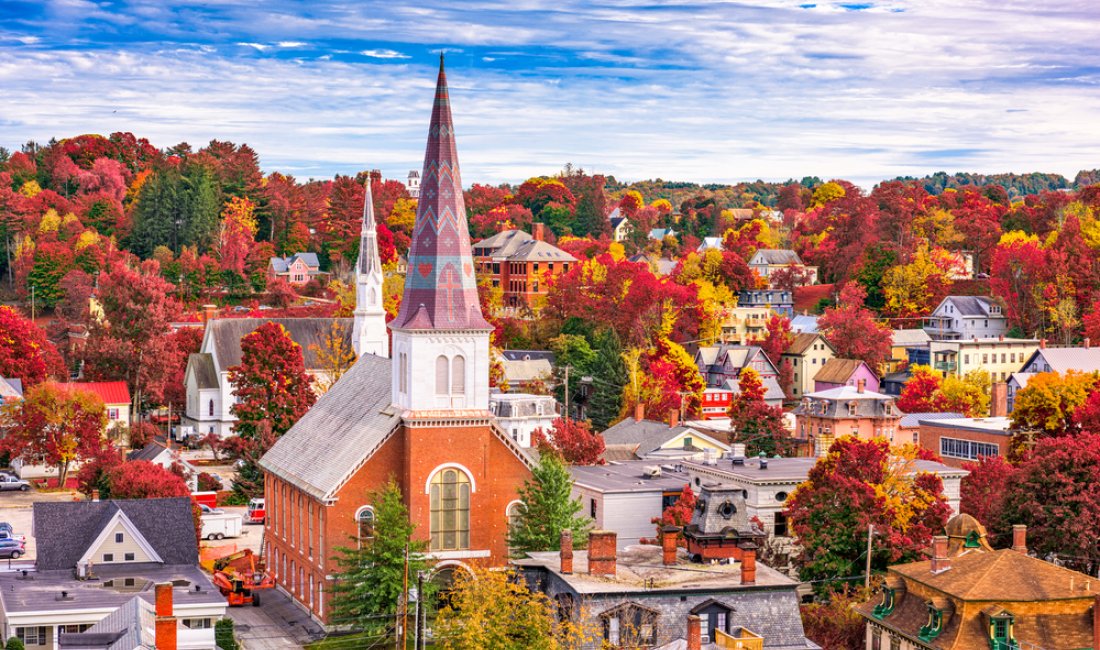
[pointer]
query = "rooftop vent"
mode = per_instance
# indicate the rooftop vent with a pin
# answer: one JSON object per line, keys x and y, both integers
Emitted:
{"x": 651, "y": 471}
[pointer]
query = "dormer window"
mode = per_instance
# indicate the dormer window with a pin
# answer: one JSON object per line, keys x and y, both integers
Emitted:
{"x": 852, "y": 408}
{"x": 934, "y": 626}
{"x": 1002, "y": 632}
{"x": 973, "y": 540}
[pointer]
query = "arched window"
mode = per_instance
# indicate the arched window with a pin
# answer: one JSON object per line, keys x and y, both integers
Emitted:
{"x": 365, "y": 520}
{"x": 372, "y": 296}
{"x": 515, "y": 512}
{"x": 211, "y": 408}
{"x": 450, "y": 510}
{"x": 404, "y": 370}
{"x": 458, "y": 375}
{"x": 441, "y": 375}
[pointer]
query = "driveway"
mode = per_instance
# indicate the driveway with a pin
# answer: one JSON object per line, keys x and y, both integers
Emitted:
{"x": 15, "y": 508}
{"x": 277, "y": 624}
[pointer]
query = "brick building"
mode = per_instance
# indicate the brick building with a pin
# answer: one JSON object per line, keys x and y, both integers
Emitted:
{"x": 824, "y": 416}
{"x": 421, "y": 417}
{"x": 521, "y": 264}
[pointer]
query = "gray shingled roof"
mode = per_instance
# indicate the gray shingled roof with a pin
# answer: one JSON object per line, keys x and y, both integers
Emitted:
{"x": 539, "y": 251}
{"x": 901, "y": 338}
{"x": 202, "y": 364}
{"x": 226, "y": 333}
{"x": 502, "y": 244}
{"x": 64, "y": 530}
{"x": 1063, "y": 360}
{"x": 127, "y": 628}
{"x": 648, "y": 435}
{"x": 971, "y": 305}
{"x": 775, "y": 256}
{"x": 340, "y": 432}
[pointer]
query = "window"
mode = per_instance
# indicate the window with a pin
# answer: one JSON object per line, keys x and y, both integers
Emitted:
{"x": 985, "y": 359}
{"x": 112, "y": 413}
{"x": 967, "y": 449}
{"x": 886, "y": 606}
{"x": 108, "y": 557}
{"x": 458, "y": 375}
{"x": 403, "y": 377}
{"x": 75, "y": 629}
{"x": 450, "y": 510}
{"x": 365, "y": 519}
{"x": 630, "y": 625}
{"x": 197, "y": 623}
{"x": 687, "y": 442}
{"x": 118, "y": 538}
{"x": 211, "y": 408}
{"x": 780, "y": 528}
{"x": 876, "y": 639}
{"x": 441, "y": 378}
{"x": 515, "y": 514}
{"x": 934, "y": 626}
{"x": 128, "y": 557}
{"x": 895, "y": 642}
{"x": 31, "y": 635}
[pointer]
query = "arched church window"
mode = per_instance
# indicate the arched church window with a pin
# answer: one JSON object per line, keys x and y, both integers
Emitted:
{"x": 441, "y": 375}
{"x": 450, "y": 510}
{"x": 372, "y": 296}
{"x": 211, "y": 408}
{"x": 364, "y": 520}
{"x": 458, "y": 375}
{"x": 403, "y": 378}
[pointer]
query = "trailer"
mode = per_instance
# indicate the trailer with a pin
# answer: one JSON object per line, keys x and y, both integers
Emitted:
{"x": 220, "y": 525}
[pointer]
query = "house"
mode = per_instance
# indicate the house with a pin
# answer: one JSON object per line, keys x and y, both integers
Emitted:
{"x": 824, "y": 416}
{"x": 845, "y": 372}
{"x": 520, "y": 414}
{"x": 298, "y": 269}
{"x": 721, "y": 366}
{"x": 625, "y": 496}
{"x": 137, "y": 625}
{"x": 639, "y": 438}
{"x": 412, "y": 184}
{"x": 621, "y": 228}
{"x": 808, "y": 353}
{"x": 804, "y": 324}
{"x": 1000, "y": 356}
{"x": 206, "y": 377}
{"x": 649, "y": 596}
{"x": 709, "y": 244}
{"x": 745, "y": 323}
{"x": 521, "y": 265}
{"x": 11, "y": 389}
{"x": 766, "y": 261}
{"x": 901, "y": 342}
{"x": 95, "y": 557}
{"x": 968, "y": 595}
{"x": 660, "y": 265}
{"x": 778, "y": 301}
{"x": 1083, "y": 358}
{"x": 115, "y": 397}
{"x": 659, "y": 234}
{"x": 421, "y": 417}
{"x": 958, "y": 440}
{"x": 159, "y": 451}
{"x": 966, "y": 317}
{"x": 524, "y": 369}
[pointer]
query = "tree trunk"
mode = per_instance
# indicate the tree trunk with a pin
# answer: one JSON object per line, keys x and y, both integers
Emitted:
{"x": 62, "y": 474}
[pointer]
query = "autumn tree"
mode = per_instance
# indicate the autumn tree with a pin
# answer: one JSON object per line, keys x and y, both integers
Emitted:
{"x": 25, "y": 352}
{"x": 370, "y": 580}
{"x": 271, "y": 384}
{"x": 548, "y": 508}
{"x": 755, "y": 423}
{"x": 852, "y": 330}
{"x": 141, "y": 479}
{"x": 238, "y": 235}
{"x": 983, "y": 490}
{"x": 921, "y": 393}
{"x": 1047, "y": 403}
{"x": 572, "y": 440}
{"x": 832, "y": 621}
{"x": 335, "y": 356}
{"x": 857, "y": 484}
{"x": 57, "y": 424}
{"x": 679, "y": 513}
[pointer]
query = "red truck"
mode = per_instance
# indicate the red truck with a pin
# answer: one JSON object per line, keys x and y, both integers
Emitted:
{"x": 256, "y": 512}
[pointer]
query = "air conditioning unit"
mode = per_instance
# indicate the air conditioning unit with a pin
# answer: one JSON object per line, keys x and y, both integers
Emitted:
{"x": 651, "y": 471}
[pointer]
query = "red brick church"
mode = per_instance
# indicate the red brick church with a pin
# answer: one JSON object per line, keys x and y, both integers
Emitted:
{"x": 421, "y": 416}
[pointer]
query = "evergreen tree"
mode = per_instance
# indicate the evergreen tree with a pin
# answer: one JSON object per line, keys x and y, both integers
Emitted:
{"x": 608, "y": 372}
{"x": 549, "y": 509}
{"x": 157, "y": 214}
{"x": 200, "y": 210}
{"x": 370, "y": 581}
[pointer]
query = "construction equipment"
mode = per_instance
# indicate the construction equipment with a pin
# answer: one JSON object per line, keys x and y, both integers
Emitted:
{"x": 240, "y": 575}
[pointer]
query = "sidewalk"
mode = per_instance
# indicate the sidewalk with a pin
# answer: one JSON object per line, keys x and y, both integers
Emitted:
{"x": 277, "y": 624}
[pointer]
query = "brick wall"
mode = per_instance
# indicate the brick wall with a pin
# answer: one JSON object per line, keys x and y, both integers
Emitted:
{"x": 931, "y": 434}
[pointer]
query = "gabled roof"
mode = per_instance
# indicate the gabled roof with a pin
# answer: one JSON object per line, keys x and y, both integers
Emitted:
{"x": 839, "y": 371}
{"x": 150, "y": 451}
{"x": 342, "y": 430}
{"x": 11, "y": 388}
{"x": 310, "y": 259}
{"x": 1063, "y": 360}
{"x": 617, "y": 221}
{"x": 773, "y": 392}
{"x": 502, "y": 244}
{"x": 775, "y": 256}
{"x": 710, "y": 243}
{"x": 129, "y": 627}
{"x": 647, "y": 436}
{"x": 804, "y": 324}
{"x": 539, "y": 251}
{"x": 1003, "y": 575}
{"x": 110, "y": 392}
{"x": 202, "y": 364}
{"x": 803, "y": 341}
{"x": 904, "y": 338}
{"x": 225, "y": 334}
{"x": 975, "y": 306}
{"x": 65, "y": 530}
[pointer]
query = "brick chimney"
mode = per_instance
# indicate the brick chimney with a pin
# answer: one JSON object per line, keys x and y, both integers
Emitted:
{"x": 209, "y": 312}
{"x": 748, "y": 564}
{"x": 166, "y": 622}
{"x": 673, "y": 419}
{"x": 695, "y": 632}
{"x": 669, "y": 539}
{"x": 1019, "y": 538}
{"x": 639, "y": 412}
{"x": 998, "y": 400}
{"x": 567, "y": 551}
{"x": 940, "y": 561}
{"x": 1086, "y": 342}
{"x": 1042, "y": 344}
{"x": 539, "y": 231}
{"x": 95, "y": 496}
{"x": 602, "y": 552}
{"x": 861, "y": 385}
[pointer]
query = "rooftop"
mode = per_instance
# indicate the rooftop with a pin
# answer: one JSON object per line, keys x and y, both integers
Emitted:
{"x": 629, "y": 476}
{"x": 109, "y": 392}
{"x": 41, "y": 590}
{"x": 986, "y": 425}
{"x": 911, "y": 420}
{"x": 793, "y": 470}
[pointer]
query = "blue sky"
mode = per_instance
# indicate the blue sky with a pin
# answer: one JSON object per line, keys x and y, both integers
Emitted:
{"x": 685, "y": 90}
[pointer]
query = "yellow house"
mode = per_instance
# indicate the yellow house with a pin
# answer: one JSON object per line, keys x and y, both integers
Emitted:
{"x": 808, "y": 353}
{"x": 1000, "y": 356}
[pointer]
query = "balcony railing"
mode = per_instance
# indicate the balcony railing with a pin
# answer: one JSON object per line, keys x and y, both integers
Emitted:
{"x": 946, "y": 366}
{"x": 740, "y": 639}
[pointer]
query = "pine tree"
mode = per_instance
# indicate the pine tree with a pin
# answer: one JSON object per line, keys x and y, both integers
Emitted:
{"x": 549, "y": 509}
{"x": 370, "y": 581}
{"x": 608, "y": 377}
{"x": 157, "y": 214}
{"x": 201, "y": 208}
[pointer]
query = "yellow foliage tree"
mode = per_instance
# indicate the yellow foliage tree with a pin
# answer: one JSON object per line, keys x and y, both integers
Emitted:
{"x": 51, "y": 221}
{"x": 662, "y": 205}
{"x": 825, "y": 193}
{"x": 617, "y": 251}
{"x": 910, "y": 288}
{"x": 86, "y": 239}
{"x": 335, "y": 356}
{"x": 968, "y": 394}
{"x": 403, "y": 216}
{"x": 393, "y": 286}
{"x": 345, "y": 296}
{"x": 1047, "y": 402}
{"x": 30, "y": 189}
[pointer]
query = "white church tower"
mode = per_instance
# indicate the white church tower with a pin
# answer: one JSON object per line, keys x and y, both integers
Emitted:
{"x": 369, "y": 335}
{"x": 440, "y": 337}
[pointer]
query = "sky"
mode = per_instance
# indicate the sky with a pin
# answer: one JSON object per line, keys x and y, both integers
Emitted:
{"x": 686, "y": 90}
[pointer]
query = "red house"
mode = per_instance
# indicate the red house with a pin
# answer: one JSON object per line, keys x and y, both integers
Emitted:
{"x": 421, "y": 417}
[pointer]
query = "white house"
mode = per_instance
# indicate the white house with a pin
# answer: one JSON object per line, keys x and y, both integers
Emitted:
{"x": 520, "y": 414}
{"x": 767, "y": 261}
{"x": 626, "y": 496}
{"x": 966, "y": 317}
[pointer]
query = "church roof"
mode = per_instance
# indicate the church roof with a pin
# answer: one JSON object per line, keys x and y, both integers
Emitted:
{"x": 440, "y": 288}
{"x": 369, "y": 261}
{"x": 226, "y": 334}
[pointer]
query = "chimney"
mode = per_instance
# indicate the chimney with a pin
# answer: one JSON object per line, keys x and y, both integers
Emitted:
{"x": 602, "y": 552}
{"x": 669, "y": 540}
{"x": 567, "y": 551}
{"x": 166, "y": 623}
{"x": 1042, "y": 344}
{"x": 539, "y": 231}
{"x": 940, "y": 561}
{"x": 748, "y": 564}
{"x": 1086, "y": 342}
{"x": 95, "y": 496}
{"x": 1019, "y": 538}
{"x": 861, "y": 386}
{"x": 639, "y": 411}
{"x": 209, "y": 312}
{"x": 1001, "y": 337}
{"x": 673, "y": 419}
{"x": 998, "y": 400}
{"x": 695, "y": 632}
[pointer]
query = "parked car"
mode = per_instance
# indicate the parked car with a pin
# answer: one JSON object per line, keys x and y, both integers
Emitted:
{"x": 12, "y": 548}
{"x": 13, "y": 482}
{"x": 6, "y": 532}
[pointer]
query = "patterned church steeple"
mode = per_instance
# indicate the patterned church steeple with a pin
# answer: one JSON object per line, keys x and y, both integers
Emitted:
{"x": 369, "y": 335}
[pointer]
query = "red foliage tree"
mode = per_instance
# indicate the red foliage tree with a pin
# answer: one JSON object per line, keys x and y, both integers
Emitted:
{"x": 852, "y": 330}
{"x": 271, "y": 384}
{"x": 1086, "y": 417}
{"x": 25, "y": 352}
{"x": 921, "y": 393}
{"x": 983, "y": 490}
{"x": 140, "y": 479}
{"x": 573, "y": 440}
{"x": 57, "y": 424}
{"x": 93, "y": 473}
{"x": 1019, "y": 269}
{"x": 679, "y": 513}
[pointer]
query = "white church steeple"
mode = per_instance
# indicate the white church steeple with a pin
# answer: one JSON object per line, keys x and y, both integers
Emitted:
{"x": 369, "y": 335}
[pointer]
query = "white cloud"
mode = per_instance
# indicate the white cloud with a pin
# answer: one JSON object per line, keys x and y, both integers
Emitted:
{"x": 291, "y": 44}
{"x": 258, "y": 46}
{"x": 384, "y": 54}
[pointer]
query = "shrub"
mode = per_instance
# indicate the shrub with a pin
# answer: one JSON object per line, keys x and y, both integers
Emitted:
{"x": 14, "y": 644}
{"x": 223, "y": 634}
{"x": 209, "y": 483}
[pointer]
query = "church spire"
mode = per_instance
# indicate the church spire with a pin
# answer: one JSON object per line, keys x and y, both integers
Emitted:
{"x": 440, "y": 288}
{"x": 369, "y": 334}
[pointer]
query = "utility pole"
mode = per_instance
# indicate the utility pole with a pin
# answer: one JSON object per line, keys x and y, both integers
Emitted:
{"x": 567, "y": 369}
{"x": 32, "y": 302}
{"x": 403, "y": 631}
{"x": 867, "y": 575}
{"x": 420, "y": 640}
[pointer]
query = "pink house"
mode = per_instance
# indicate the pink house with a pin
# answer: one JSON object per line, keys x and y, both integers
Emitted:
{"x": 845, "y": 372}
{"x": 298, "y": 269}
